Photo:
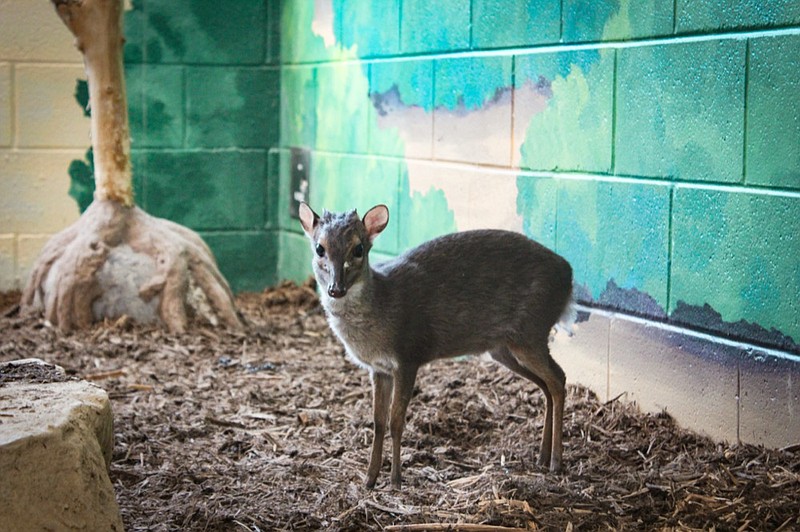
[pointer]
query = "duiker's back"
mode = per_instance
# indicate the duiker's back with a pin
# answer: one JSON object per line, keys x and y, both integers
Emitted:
{"x": 471, "y": 290}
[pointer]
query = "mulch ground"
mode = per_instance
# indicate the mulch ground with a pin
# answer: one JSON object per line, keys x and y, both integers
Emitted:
{"x": 270, "y": 430}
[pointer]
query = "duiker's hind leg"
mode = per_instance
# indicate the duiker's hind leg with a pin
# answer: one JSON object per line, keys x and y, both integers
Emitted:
{"x": 505, "y": 357}
{"x": 536, "y": 364}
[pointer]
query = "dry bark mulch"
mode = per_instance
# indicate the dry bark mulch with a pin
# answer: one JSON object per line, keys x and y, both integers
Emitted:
{"x": 270, "y": 430}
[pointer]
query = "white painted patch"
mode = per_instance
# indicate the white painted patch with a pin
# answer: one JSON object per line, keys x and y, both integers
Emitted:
{"x": 322, "y": 25}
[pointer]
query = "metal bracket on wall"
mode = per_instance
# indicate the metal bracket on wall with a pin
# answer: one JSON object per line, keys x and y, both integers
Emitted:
{"x": 300, "y": 173}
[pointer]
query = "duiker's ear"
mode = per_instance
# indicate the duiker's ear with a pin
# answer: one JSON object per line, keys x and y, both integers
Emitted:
{"x": 308, "y": 218}
{"x": 375, "y": 220}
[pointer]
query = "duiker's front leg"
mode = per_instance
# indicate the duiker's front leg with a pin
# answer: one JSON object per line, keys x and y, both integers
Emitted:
{"x": 403, "y": 389}
{"x": 381, "y": 399}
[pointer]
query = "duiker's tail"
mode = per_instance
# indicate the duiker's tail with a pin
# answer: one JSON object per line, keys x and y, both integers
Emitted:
{"x": 568, "y": 317}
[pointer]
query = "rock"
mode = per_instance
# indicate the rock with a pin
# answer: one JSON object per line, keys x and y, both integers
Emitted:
{"x": 56, "y": 439}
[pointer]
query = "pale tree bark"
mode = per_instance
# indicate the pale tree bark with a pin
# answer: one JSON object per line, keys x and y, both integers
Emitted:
{"x": 117, "y": 260}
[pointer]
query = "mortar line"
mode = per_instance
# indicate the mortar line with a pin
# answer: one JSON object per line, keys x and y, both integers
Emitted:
{"x": 550, "y": 48}
{"x": 14, "y": 102}
{"x": 615, "y": 91}
{"x": 699, "y": 335}
{"x": 670, "y": 245}
{"x": 738, "y": 401}
{"x": 674, "y": 17}
{"x": 576, "y": 176}
{"x": 744, "y": 109}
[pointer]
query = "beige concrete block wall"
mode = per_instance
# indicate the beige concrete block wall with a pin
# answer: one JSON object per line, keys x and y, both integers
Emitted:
{"x": 42, "y": 129}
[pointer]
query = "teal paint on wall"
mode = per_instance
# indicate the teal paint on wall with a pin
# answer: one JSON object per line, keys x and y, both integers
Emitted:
{"x": 412, "y": 79}
{"x": 434, "y": 26}
{"x": 155, "y": 105}
{"x": 536, "y": 204}
{"x": 235, "y": 180}
{"x": 372, "y": 26}
{"x": 247, "y": 259}
{"x": 470, "y": 83}
{"x": 773, "y": 112}
{"x": 328, "y": 108}
{"x": 298, "y": 117}
{"x": 230, "y": 107}
{"x": 499, "y": 23}
{"x": 343, "y": 108}
{"x": 573, "y": 132}
{"x": 605, "y": 242}
{"x": 711, "y": 15}
{"x": 680, "y": 114}
{"x": 200, "y": 32}
{"x": 595, "y": 20}
{"x": 680, "y": 117}
{"x": 738, "y": 253}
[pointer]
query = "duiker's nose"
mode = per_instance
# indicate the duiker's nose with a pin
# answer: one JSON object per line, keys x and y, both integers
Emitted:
{"x": 336, "y": 291}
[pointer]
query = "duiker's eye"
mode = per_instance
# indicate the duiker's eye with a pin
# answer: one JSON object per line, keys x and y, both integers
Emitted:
{"x": 358, "y": 251}
{"x": 320, "y": 250}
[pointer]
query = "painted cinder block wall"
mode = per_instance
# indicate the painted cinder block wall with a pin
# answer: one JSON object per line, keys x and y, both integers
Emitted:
{"x": 655, "y": 144}
{"x": 42, "y": 130}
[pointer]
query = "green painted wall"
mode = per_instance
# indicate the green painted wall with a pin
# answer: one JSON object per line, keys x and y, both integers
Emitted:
{"x": 654, "y": 143}
{"x": 649, "y": 142}
{"x": 204, "y": 86}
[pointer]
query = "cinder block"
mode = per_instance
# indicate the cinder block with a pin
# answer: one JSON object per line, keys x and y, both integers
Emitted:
{"x": 372, "y": 26}
{"x": 472, "y": 114}
{"x": 491, "y": 199}
{"x": 773, "y": 112}
{"x": 298, "y": 112}
{"x": 6, "y": 113}
{"x": 343, "y": 109}
{"x": 536, "y": 204}
{"x": 584, "y": 355}
{"x": 326, "y": 187}
{"x": 402, "y": 96}
{"x": 498, "y": 23}
{"x": 606, "y": 20}
{"x": 680, "y": 111}
{"x": 434, "y": 26}
{"x": 175, "y": 34}
{"x": 563, "y": 110}
{"x": 734, "y": 258}
{"x": 28, "y": 249}
{"x": 33, "y": 31}
{"x": 247, "y": 259}
{"x": 710, "y": 15}
{"x": 227, "y": 190}
{"x": 693, "y": 380}
{"x": 232, "y": 107}
{"x": 770, "y": 400}
{"x": 34, "y": 191}
{"x": 156, "y": 105}
{"x": 294, "y": 257}
{"x": 8, "y": 263}
{"x": 368, "y": 181}
{"x": 607, "y": 244}
{"x": 48, "y": 116}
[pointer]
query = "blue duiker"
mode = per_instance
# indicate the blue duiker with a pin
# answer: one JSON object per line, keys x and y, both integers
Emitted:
{"x": 463, "y": 293}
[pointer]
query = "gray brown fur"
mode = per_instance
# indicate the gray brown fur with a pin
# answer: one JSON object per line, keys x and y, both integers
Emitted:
{"x": 463, "y": 293}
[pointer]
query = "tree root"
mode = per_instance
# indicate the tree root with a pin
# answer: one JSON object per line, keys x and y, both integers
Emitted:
{"x": 118, "y": 260}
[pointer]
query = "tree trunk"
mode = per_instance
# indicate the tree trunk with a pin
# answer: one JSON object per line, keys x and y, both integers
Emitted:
{"x": 116, "y": 259}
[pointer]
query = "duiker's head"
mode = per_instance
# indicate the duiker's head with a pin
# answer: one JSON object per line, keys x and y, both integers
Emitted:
{"x": 341, "y": 243}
